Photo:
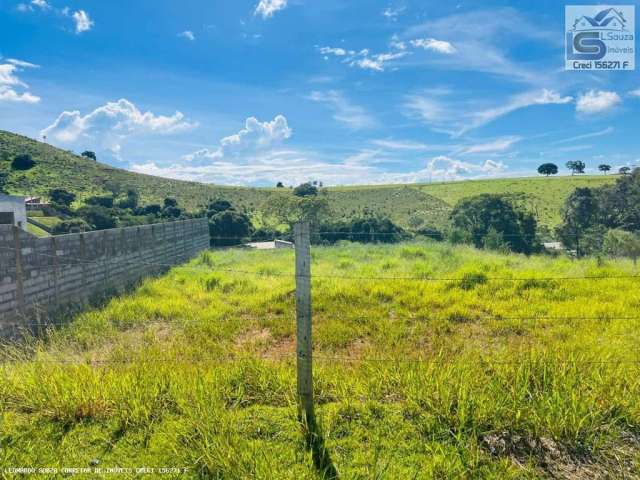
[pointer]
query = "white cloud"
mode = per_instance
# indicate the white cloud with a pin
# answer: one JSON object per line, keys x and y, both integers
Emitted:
{"x": 111, "y": 124}
{"x": 377, "y": 62}
{"x": 354, "y": 116}
{"x": 8, "y": 77}
{"x": 527, "y": 99}
{"x": 635, "y": 93}
{"x": 188, "y": 34}
{"x": 41, "y": 4}
{"x": 484, "y": 41}
{"x": 456, "y": 117}
{"x": 498, "y": 145}
{"x": 599, "y": 133}
{"x": 10, "y": 95}
{"x": 255, "y": 137}
{"x": 439, "y": 46}
{"x": 83, "y": 22}
{"x": 597, "y": 101}
{"x": 295, "y": 166}
{"x": 9, "y": 82}
{"x": 363, "y": 58}
{"x": 338, "y": 52}
{"x": 266, "y": 8}
{"x": 407, "y": 145}
{"x": 393, "y": 13}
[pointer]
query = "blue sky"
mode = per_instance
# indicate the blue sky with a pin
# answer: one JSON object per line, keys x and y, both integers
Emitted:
{"x": 258, "y": 91}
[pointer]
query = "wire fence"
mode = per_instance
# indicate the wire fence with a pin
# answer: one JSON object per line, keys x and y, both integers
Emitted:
{"x": 71, "y": 262}
{"x": 536, "y": 320}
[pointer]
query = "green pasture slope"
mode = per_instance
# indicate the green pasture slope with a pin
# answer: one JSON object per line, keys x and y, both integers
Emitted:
{"x": 430, "y": 203}
{"x": 473, "y": 377}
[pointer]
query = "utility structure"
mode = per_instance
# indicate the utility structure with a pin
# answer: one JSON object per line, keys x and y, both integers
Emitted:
{"x": 302, "y": 240}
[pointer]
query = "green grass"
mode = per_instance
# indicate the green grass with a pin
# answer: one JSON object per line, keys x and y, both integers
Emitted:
{"x": 544, "y": 196}
{"x": 429, "y": 204}
{"x": 413, "y": 378}
{"x": 37, "y": 231}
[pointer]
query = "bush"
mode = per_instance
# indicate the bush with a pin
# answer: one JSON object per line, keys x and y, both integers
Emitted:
{"x": 368, "y": 229}
{"x": 153, "y": 209}
{"x": 89, "y": 154}
{"x": 23, "y": 162}
{"x": 71, "y": 226}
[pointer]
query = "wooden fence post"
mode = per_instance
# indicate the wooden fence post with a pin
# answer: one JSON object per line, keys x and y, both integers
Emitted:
{"x": 303, "y": 318}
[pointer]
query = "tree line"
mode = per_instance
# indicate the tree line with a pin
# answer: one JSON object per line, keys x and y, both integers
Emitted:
{"x": 578, "y": 167}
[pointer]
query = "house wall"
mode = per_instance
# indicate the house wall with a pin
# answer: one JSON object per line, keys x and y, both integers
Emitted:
{"x": 17, "y": 206}
{"x": 41, "y": 278}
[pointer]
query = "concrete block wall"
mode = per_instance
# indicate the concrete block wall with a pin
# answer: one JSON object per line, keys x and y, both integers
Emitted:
{"x": 42, "y": 277}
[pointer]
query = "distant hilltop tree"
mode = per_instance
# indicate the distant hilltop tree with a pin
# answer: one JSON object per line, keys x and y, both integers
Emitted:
{"x": 280, "y": 185}
{"x": 604, "y": 168}
{"x": 23, "y": 162}
{"x": 548, "y": 169}
{"x": 90, "y": 154}
{"x": 625, "y": 171}
{"x": 576, "y": 166}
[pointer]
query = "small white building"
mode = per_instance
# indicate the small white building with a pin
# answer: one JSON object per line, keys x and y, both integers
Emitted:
{"x": 269, "y": 245}
{"x": 13, "y": 211}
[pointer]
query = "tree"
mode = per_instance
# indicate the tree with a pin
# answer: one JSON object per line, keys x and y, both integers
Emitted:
{"x": 576, "y": 166}
{"x": 624, "y": 170}
{"x": 280, "y": 185}
{"x": 23, "y": 162}
{"x": 170, "y": 202}
{"x": 61, "y": 196}
{"x": 104, "y": 201}
{"x": 290, "y": 210}
{"x": 305, "y": 190}
{"x": 4, "y": 178}
{"x": 229, "y": 228}
{"x": 98, "y": 217}
{"x": 604, "y": 168}
{"x": 548, "y": 169}
{"x": 580, "y": 215}
{"x": 477, "y": 216}
{"x": 620, "y": 243}
{"x": 218, "y": 206}
{"x": 90, "y": 154}
{"x": 131, "y": 201}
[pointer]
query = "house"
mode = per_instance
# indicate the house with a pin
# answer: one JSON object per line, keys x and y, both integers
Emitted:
{"x": 35, "y": 203}
{"x": 13, "y": 211}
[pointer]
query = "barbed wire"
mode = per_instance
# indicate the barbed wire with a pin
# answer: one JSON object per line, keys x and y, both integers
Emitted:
{"x": 44, "y": 324}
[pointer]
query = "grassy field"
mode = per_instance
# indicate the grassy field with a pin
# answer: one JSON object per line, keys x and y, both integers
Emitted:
{"x": 483, "y": 375}
{"x": 429, "y": 204}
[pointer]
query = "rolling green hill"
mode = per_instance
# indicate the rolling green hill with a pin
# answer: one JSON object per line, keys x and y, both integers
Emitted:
{"x": 407, "y": 205}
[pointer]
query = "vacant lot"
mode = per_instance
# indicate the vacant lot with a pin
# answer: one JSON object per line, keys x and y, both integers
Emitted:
{"x": 431, "y": 362}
